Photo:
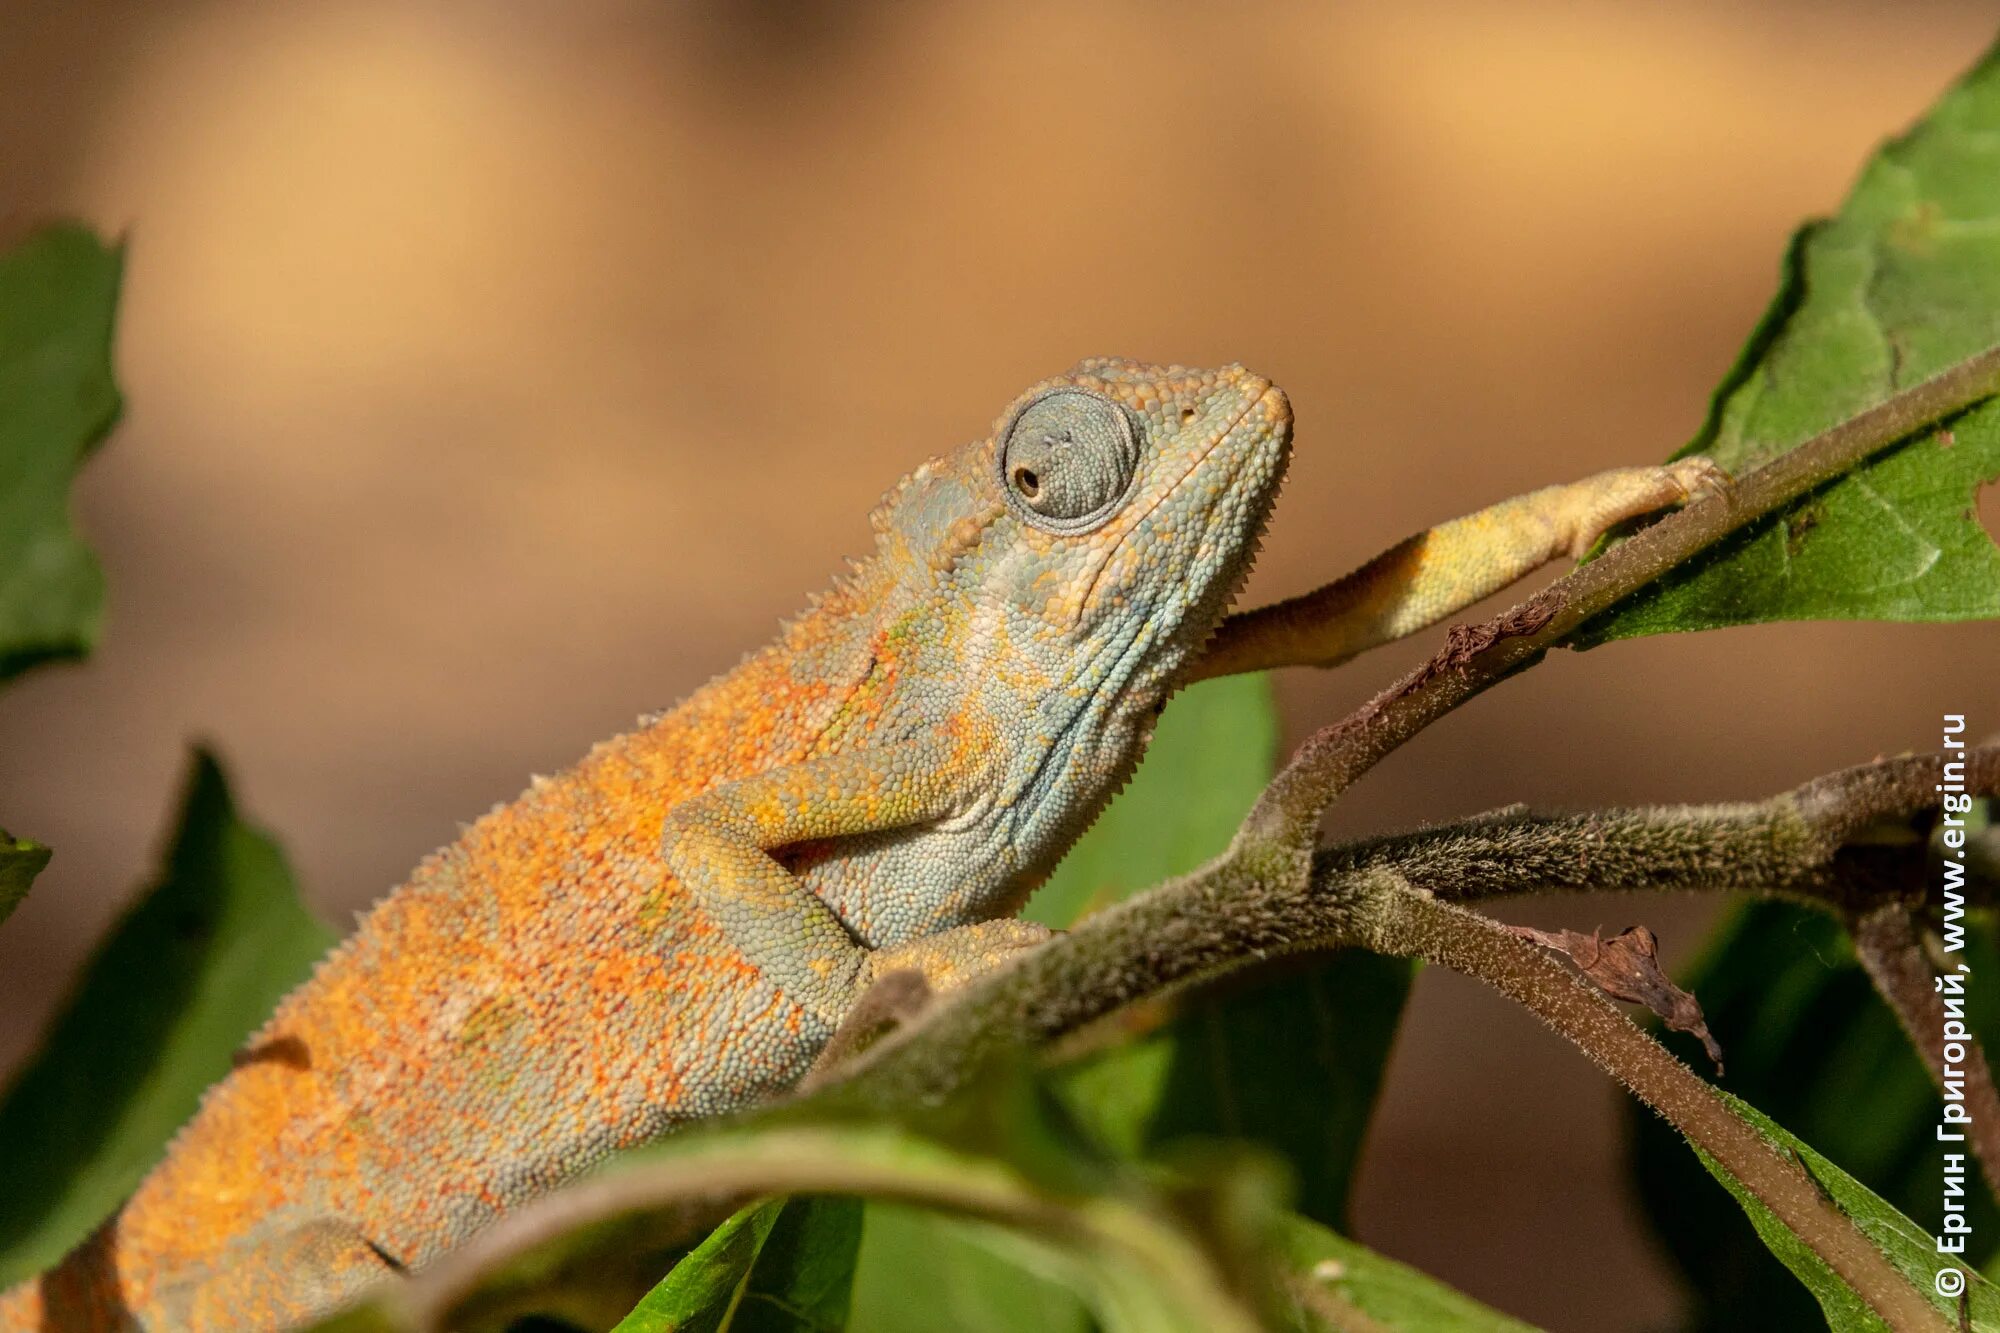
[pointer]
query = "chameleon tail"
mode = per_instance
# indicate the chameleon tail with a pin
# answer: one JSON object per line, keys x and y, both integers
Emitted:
{"x": 79, "y": 1295}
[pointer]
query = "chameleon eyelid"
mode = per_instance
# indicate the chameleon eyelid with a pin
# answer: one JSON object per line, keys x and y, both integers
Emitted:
{"x": 1082, "y": 523}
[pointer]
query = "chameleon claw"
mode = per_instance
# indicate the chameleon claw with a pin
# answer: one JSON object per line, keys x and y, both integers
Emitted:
{"x": 1699, "y": 477}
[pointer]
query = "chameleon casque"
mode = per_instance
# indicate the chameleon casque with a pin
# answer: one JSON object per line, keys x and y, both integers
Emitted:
{"x": 675, "y": 926}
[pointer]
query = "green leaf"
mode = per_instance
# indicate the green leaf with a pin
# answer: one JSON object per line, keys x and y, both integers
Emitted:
{"x": 1902, "y": 284}
{"x": 20, "y": 861}
{"x": 702, "y": 1290}
{"x": 777, "y": 1266}
{"x": 58, "y": 296}
{"x": 1241, "y": 1064}
{"x": 1395, "y": 1296}
{"x": 188, "y": 973}
{"x": 1909, "y": 1249}
{"x": 1808, "y": 1040}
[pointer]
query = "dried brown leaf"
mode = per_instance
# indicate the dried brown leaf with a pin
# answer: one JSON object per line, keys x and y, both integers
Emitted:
{"x": 1627, "y": 967}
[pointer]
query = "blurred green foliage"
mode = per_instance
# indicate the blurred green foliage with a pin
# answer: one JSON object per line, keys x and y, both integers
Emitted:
{"x": 58, "y": 299}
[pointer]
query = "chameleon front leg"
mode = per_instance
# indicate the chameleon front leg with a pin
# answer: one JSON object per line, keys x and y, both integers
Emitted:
{"x": 718, "y": 846}
{"x": 1443, "y": 570}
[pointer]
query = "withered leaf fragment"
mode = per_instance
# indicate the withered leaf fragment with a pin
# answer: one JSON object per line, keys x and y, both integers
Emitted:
{"x": 1627, "y": 967}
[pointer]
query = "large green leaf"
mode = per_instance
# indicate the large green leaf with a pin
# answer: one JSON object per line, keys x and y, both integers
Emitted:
{"x": 1243, "y": 1064}
{"x": 20, "y": 861}
{"x": 1902, "y": 284}
{"x": 1808, "y": 1041}
{"x": 183, "y": 979}
{"x": 58, "y": 295}
{"x": 777, "y": 1266}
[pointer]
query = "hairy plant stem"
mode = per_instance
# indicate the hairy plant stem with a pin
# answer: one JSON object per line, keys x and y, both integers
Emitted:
{"x": 1881, "y": 900}
{"x": 1415, "y": 924}
{"x": 1843, "y": 842}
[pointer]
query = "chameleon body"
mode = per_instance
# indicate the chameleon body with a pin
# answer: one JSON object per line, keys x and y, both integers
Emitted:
{"x": 675, "y": 926}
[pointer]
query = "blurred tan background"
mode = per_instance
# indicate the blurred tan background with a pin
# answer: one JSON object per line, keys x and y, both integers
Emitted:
{"x": 499, "y": 371}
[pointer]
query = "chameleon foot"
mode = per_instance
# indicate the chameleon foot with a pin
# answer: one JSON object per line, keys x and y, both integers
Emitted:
{"x": 953, "y": 957}
{"x": 897, "y": 984}
{"x": 1611, "y": 498}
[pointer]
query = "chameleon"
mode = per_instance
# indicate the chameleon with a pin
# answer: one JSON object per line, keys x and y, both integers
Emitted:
{"x": 676, "y": 926}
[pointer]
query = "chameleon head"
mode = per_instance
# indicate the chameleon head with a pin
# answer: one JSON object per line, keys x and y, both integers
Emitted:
{"x": 1040, "y": 591}
{"x": 1093, "y": 540}
{"x": 1134, "y": 496}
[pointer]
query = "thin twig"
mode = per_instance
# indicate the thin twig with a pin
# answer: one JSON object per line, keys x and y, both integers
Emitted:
{"x": 1847, "y": 802}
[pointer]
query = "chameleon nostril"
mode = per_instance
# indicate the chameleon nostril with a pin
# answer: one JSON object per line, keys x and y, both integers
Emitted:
{"x": 1187, "y": 415}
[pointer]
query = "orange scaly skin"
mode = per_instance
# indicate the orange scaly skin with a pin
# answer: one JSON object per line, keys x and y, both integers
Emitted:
{"x": 675, "y": 926}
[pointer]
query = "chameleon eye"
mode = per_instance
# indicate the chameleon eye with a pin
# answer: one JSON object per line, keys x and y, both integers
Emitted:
{"x": 1068, "y": 460}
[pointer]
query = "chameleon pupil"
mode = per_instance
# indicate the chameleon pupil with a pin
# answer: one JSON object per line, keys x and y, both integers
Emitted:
{"x": 1027, "y": 482}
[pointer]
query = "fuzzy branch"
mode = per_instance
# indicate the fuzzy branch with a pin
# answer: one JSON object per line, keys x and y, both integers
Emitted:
{"x": 1849, "y": 840}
